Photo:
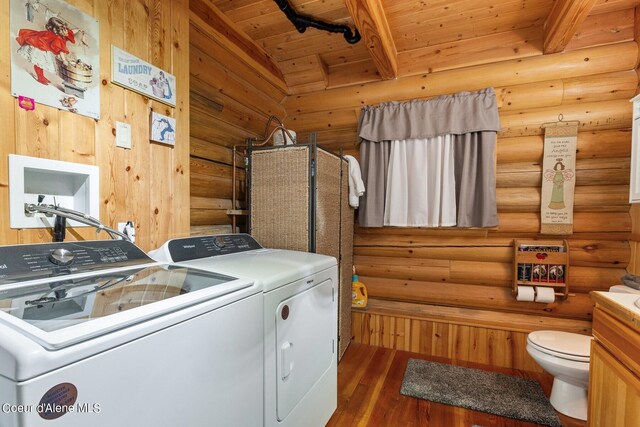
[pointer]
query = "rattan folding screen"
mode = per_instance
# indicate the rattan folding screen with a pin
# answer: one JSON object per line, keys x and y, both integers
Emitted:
{"x": 299, "y": 200}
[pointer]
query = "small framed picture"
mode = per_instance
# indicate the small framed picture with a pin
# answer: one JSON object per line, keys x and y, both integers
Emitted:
{"x": 134, "y": 74}
{"x": 163, "y": 129}
{"x": 55, "y": 56}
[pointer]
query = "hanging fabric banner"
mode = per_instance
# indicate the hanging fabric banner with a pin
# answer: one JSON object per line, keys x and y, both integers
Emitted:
{"x": 558, "y": 181}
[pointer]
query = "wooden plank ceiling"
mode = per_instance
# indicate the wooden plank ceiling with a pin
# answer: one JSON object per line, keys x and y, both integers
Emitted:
{"x": 409, "y": 37}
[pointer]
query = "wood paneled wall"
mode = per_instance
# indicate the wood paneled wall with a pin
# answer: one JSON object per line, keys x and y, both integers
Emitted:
{"x": 460, "y": 334}
{"x": 148, "y": 184}
{"x": 446, "y": 291}
{"x": 424, "y": 270}
{"x": 230, "y": 101}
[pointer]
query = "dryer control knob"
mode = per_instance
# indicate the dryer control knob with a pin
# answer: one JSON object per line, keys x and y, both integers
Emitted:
{"x": 61, "y": 256}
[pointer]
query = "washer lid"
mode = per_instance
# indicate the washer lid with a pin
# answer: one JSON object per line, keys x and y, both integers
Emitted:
{"x": 73, "y": 309}
{"x": 563, "y": 343}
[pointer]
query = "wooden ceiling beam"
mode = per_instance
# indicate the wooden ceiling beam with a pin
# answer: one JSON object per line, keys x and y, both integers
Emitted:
{"x": 371, "y": 21}
{"x": 206, "y": 16}
{"x": 565, "y": 18}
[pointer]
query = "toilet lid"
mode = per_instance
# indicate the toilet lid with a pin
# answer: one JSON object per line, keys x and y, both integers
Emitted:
{"x": 562, "y": 343}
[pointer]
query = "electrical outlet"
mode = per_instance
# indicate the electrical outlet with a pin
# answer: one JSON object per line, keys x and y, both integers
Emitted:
{"x": 129, "y": 229}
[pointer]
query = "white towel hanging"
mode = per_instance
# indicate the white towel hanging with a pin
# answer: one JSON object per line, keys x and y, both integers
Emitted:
{"x": 356, "y": 185}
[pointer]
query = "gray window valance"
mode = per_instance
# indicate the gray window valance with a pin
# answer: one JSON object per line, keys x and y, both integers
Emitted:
{"x": 415, "y": 154}
{"x": 456, "y": 114}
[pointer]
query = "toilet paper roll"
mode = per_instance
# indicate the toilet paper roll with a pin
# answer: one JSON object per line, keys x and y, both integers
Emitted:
{"x": 525, "y": 293}
{"x": 545, "y": 294}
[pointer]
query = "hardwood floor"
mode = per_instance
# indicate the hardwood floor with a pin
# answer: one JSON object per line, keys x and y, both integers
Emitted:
{"x": 369, "y": 380}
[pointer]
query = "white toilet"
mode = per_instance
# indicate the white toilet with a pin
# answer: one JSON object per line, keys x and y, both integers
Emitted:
{"x": 566, "y": 356}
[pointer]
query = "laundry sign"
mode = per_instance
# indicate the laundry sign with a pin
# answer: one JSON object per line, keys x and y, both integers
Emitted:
{"x": 139, "y": 76}
{"x": 558, "y": 178}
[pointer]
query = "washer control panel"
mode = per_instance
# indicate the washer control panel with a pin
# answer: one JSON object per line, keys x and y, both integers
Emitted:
{"x": 207, "y": 246}
{"x": 29, "y": 262}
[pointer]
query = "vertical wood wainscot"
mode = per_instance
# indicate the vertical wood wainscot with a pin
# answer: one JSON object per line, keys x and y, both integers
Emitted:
{"x": 614, "y": 377}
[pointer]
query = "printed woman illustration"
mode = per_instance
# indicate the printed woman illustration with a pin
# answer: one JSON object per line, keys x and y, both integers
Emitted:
{"x": 42, "y": 47}
{"x": 161, "y": 87}
{"x": 164, "y": 83}
{"x": 558, "y": 176}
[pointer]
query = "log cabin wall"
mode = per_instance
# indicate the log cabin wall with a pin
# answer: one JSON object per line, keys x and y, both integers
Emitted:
{"x": 448, "y": 292}
{"x": 232, "y": 96}
{"x": 147, "y": 184}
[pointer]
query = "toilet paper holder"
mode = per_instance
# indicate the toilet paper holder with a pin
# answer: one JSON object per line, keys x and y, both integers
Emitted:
{"x": 541, "y": 264}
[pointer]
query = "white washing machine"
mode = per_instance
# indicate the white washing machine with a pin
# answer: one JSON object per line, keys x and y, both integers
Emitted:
{"x": 98, "y": 334}
{"x": 300, "y": 320}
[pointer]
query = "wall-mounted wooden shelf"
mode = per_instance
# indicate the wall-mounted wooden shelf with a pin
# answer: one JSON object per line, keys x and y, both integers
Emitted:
{"x": 238, "y": 212}
{"x": 541, "y": 263}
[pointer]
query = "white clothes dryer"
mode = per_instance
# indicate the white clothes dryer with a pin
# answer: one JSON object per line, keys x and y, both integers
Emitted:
{"x": 98, "y": 334}
{"x": 300, "y": 319}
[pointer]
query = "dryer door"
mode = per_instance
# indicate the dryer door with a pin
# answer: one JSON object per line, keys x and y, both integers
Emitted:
{"x": 305, "y": 334}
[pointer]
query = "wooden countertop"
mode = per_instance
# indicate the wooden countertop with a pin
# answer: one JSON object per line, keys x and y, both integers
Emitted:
{"x": 620, "y": 305}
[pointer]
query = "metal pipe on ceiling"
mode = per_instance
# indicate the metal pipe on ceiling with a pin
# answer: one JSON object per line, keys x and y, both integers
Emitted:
{"x": 302, "y": 22}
